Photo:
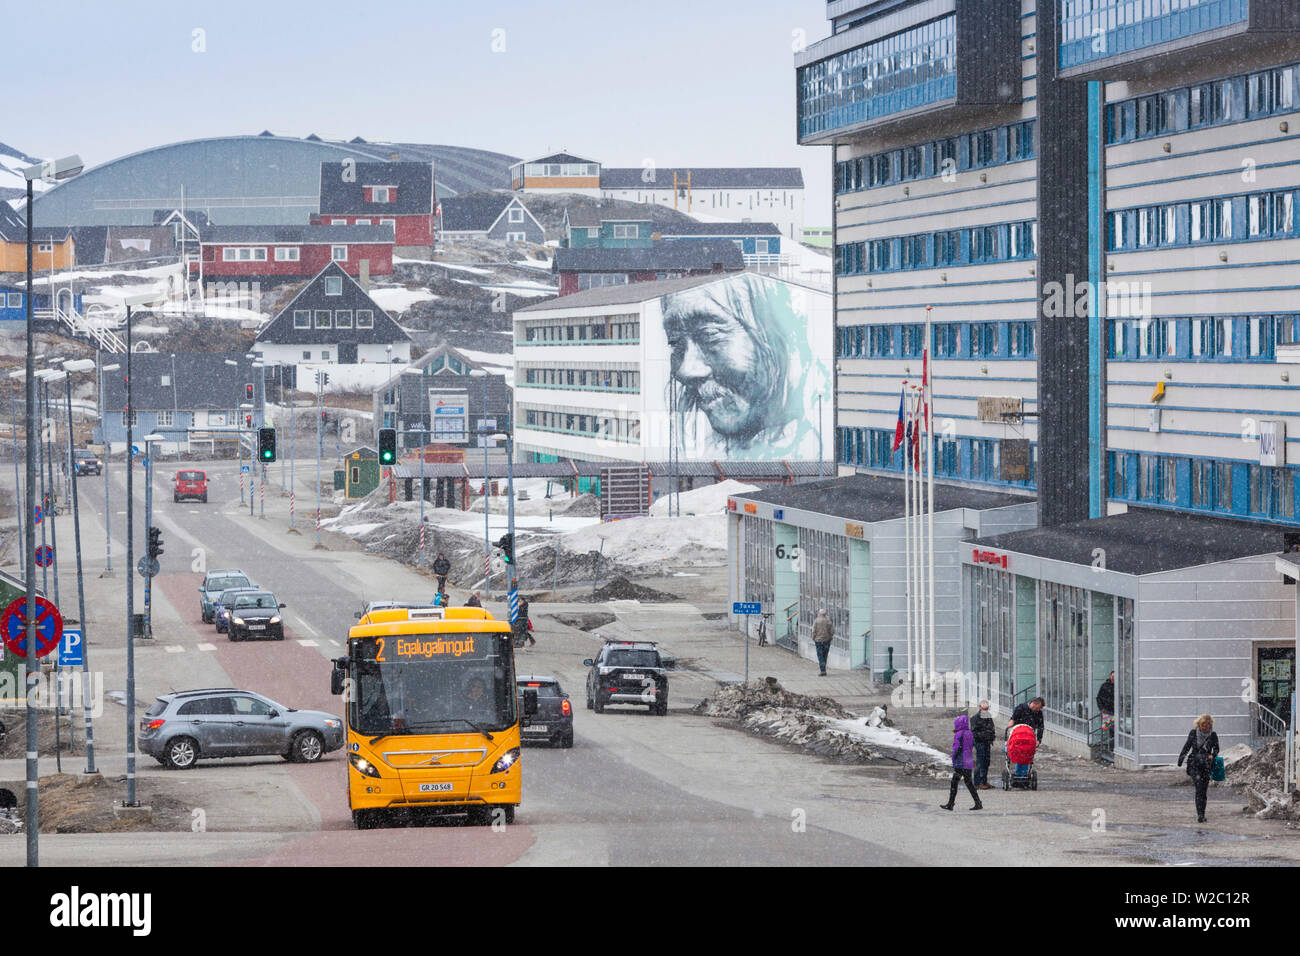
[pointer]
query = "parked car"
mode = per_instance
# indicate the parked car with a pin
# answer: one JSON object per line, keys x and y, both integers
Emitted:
{"x": 255, "y": 614}
{"x": 181, "y": 728}
{"x": 222, "y": 604}
{"x": 628, "y": 672}
{"x": 87, "y": 462}
{"x": 553, "y": 721}
{"x": 214, "y": 582}
{"x": 190, "y": 484}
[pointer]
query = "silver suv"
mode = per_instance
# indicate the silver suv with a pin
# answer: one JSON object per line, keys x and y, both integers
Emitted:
{"x": 180, "y": 728}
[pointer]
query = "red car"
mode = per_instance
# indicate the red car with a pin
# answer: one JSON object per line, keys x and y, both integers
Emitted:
{"x": 190, "y": 484}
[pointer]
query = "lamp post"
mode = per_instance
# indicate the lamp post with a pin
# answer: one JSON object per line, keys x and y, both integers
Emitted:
{"x": 131, "y": 801}
{"x": 411, "y": 370}
{"x": 108, "y": 449}
{"x": 18, "y": 488}
{"x": 81, "y": 365}
{"x": 150, "y": 444}
{"x": 510, "y": 520}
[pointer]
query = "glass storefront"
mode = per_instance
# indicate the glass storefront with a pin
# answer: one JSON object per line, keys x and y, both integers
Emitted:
{"x": 759, "y": 549}
{"x": 1064, "y": 667}
{"x": 824, "y": 583}
{"x": 993, "y": 633}
{"x": 1124, "y": 725}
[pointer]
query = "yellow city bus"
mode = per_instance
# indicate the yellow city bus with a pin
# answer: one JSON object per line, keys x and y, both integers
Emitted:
{"x": 433, "y": 721}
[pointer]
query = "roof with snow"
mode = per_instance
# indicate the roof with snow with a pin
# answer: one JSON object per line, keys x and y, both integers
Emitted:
{"x": 558, "y": 158}
{"x": 413, "y": 181}
{"x": 475, "y": 214}
{"x": 719, "y": 229}
{"x": 186, "y": 380}
{"x": 621, "y": 294}
{"x": 304, "y": 234}
{"x": 1148, "y": 540}
{"x": 280, "y": 330}
{"x": 871, "y": 498}
{"x": 720, "y": 177}
{"x": 705, "y": 254}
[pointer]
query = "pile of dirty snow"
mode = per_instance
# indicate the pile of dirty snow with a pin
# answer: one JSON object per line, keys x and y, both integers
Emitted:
{"x": 709, "y": 500}
{"x": 656, "y": 543}
{"x": 819, "y": 725}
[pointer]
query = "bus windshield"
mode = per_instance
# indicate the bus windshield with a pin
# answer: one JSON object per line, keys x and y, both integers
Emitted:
{"x": 432, "y": 683}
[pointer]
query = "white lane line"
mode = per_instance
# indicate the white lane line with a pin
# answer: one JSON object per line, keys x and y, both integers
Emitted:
{"x": 207, "y": 647}
{"x": 175, "y": 649}
{"x": 334, "y": 643}
{"x": 308, "y": 643}
{"x": 303, "y": 625}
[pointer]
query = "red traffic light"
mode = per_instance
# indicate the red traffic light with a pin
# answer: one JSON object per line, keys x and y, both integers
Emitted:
{"x": 248, "y": 390}
{"x": 248, "y": 420}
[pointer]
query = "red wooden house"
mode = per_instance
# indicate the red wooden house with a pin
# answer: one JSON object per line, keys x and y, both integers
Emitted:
{"x": 284, "y": 253}
{"x": 398, "y": 194}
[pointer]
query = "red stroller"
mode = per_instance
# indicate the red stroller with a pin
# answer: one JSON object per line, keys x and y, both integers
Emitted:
{"x": 1019, "y": 773}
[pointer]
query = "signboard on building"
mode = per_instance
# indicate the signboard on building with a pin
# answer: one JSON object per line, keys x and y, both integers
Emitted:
{"x": 1272, "y": 443}
{"x": 449, "y": 415}
{"x": 999, "y": 408}
{"x": 1015, "y": 459}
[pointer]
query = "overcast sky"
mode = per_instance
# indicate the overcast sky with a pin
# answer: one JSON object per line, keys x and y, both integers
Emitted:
{"x": 681, "y": 82}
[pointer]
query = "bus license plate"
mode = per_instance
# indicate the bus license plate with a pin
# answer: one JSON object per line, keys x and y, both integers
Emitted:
{"x": 434, "y": 787}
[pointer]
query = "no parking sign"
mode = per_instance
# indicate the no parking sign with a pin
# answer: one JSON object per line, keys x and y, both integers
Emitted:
{"x": 13, "y": 626}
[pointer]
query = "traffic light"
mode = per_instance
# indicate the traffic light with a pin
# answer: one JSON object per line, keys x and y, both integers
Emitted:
{"x": 387, "y": 446}
{"x": 248, "y": 391}
{"x": 507, "y": 546}
{"x": 248, "y": 421}
{"x": 155, "y": 542}
{"x": 266, "y": 444}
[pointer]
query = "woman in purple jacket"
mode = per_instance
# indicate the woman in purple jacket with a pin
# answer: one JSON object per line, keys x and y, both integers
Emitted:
{"x": 963, "y": 743}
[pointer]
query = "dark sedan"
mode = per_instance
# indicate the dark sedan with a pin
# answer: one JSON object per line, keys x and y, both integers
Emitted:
{"x": 553, "y": 721}
{"x": 255, "y": 614}
{"x": 224, "y": 602}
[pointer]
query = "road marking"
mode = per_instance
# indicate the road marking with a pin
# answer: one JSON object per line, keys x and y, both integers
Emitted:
{"x": 175, "y": 649}
{"x": 308, "y": 643}
{"x": 207, "y": 647}
{"x": 334, "y": 643}
{"x": 303, "y": 625}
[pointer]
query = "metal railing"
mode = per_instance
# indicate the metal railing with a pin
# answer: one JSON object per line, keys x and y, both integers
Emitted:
{"x": 790, "y": 639}
{"x": 81, "y": 327}
{"x": 1101, "y": 737}
{"x": 1265, "y": 725}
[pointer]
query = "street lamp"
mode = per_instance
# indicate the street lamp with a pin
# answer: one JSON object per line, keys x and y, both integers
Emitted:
{"x": 131, "y": 300}
{"x": 50, "y": 171}
{"x": 487, "y": 543}
{"x": 108, "y": 450}
{"x": 410, "y": 370}
{"x": 73, "y": 366}
{"x": 508, "y": 437}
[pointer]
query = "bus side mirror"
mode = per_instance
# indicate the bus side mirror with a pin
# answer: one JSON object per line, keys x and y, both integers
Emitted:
{"x": 530, "y": 702}
{"x": 337, "y": 676}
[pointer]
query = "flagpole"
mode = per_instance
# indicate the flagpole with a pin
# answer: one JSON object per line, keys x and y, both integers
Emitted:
{"x": 914, "y": 416}
{"x": 927, "y": 387}
{"x": 906, "y": 447}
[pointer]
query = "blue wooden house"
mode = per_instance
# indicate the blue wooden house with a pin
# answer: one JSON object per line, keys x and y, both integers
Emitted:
{"x": 13, "y": 303}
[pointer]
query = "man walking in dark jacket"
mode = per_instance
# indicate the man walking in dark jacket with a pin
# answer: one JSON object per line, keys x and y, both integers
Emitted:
{"x": 985, "y": 732}
{"x": 441, "y": 568}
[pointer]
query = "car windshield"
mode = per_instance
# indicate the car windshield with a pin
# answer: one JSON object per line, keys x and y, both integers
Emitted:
{"x": 632, "y": 658}
{"x": 233, "y": 581}
{"x": 432, "y": 683}
{"x": 189, "y": 476}
{"x": 255, "y": 599}
{"x": 82, "y": 453}
{"x": 228, "y": 596}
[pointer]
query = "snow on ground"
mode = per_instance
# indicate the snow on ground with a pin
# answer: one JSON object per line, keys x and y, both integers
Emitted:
{"x": 532, "y": 289}
{"x": 543, "y": 264}
{"x": 711, "y": 499}
{"x": 463, "y": 268}
{"x": 398, "y": 299}
{"x": 687, "y": 541}
{"x": 884, "y": 736}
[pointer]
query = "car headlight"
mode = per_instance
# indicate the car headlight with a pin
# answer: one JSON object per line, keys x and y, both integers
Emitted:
{"x": 605, "y": 670}
{"x": 333, "y": 724}
{"x": 237, "y": 620}
{"x": 506, "y": 761}
{"x": 364, "y": 766}
{"x": 274, "y": 620}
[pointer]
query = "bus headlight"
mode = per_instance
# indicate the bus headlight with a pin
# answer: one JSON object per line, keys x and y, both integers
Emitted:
{"x": 364, "y": 766}
{"x": 506, "y": 761}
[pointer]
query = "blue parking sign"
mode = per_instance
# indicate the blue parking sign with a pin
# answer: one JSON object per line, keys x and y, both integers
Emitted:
{"x": 71, "y": 650}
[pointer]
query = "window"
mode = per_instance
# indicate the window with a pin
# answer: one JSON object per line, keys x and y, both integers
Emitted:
{"x": 365, "y": 319}
{"x": 1022, "y": 339}
{"x": 15, "y": 300}
{"x": 516, "y": 215}
{"x": 45, "y": 247}
{"x": 323, "y": 318}
{"x": 983, "y": 339}
{"x": 286, "y": 253}
{"x": 516, "y": 237}
{"x": 389, "y": 222}
{"x": 338, "y": 222}
{"x": 243, "y": 254}
{"x": 947, "y": 248}
{"x": 624, "y": 231}
{"x": 333, "y": 285}
{"x": 134, "y": 419}
{"x": 302, "y": 318}
{"x": 380, "y": 194}
{"x": 325, "y": 355}
{"x": 306, "y": 356}
{"x": 363, "y": 222}
{"x": 342, "y": 319}
{"x": 947, "y": 340}
{"x": 1118, "y": 484}
{"x": 165, "y": 418}
{"x": 760, "y": 247}
{"x": 1020, "y": 141}
{"x": 339, "y": 253}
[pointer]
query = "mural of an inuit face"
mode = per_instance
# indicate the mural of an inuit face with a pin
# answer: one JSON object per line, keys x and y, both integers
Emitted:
{"x": 723, "y": 359}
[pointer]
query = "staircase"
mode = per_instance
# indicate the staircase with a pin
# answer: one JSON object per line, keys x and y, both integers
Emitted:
{"x": 1101, "y": 739}
{"x": 74, "y": 325}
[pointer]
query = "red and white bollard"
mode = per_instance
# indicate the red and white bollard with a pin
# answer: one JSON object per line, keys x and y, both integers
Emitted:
{"x": 421, "y": 544}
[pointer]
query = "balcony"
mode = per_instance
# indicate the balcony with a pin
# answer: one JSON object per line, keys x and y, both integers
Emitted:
{"x": 1129, "y": 39}
{"x": 899, "y": 70}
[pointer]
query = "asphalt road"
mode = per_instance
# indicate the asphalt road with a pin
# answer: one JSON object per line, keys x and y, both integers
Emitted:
{"x": 620, "y": 796}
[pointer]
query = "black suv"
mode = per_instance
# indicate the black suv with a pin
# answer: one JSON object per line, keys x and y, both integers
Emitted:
{"x": 87, "y": 462}
{"x": 628, "y": 672}
{"x": 553, "y": 721}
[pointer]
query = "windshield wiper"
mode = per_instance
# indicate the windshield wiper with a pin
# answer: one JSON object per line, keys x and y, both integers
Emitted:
{"x": 395, "y": 732}
{"x": 447, "y": 720}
